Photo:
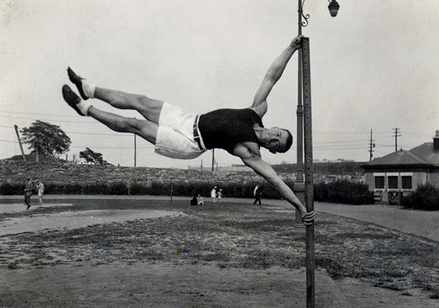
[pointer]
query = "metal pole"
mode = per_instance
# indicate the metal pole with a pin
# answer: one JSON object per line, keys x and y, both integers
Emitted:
{"x": 309, "y": 193}
{"x": 135, "y": 151}
{"x": 213, "y": 160}
{"x": 299, "y": 186}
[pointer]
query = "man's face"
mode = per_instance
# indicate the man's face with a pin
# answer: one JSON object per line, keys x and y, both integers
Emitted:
{"x": 274, "y": 139}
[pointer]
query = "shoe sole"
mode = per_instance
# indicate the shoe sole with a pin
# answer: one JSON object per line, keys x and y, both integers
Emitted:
{"x": 71, "y": 98}
{"x": 77, "y": 81}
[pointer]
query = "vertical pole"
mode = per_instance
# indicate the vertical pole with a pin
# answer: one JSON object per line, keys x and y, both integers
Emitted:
{"x": 19, "y": 142}
{"x": 213, "y": 160}
{"x": 309, "y": 193}
{"x": 171, "y": 189}
{"x": 299, "y": 187}
{"x": 371, "y": 145}
{"x": 135, "y": 151}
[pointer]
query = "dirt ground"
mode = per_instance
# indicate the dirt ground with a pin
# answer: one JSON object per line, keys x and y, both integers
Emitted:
{"x": 137, "y": 253}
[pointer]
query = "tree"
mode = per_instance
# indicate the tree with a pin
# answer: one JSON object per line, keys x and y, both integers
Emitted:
{"x": 45, "y": 137}
{"x": 91, "y": 157}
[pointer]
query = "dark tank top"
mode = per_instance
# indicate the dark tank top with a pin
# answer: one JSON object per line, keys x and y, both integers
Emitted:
{"x": 225, "y": 128}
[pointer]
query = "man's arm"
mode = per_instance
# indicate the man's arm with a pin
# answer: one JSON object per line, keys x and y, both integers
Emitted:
{"x": 251, "y": 157}
{"x": 273, "y": 75}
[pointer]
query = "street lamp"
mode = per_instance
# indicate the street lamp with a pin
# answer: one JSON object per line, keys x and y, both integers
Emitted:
{"x": 333, "y": 8}
{"x": 304, "y": 189}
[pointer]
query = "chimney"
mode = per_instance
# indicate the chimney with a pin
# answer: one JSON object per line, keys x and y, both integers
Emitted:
{"x": 436, "y": 142}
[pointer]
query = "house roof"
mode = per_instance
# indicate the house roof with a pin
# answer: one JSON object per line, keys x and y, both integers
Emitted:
{"x": 400, "y": 158}
{"x": 426, "y": 152}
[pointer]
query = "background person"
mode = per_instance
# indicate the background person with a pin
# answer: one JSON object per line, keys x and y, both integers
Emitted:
{"x": 40, "y": 190}
{"x": 213, "y": 194}
{"x": 200, "y": 200}
{"x": 258, "y": 195}
{"x": 28, "y": 192}
{"x": 219, "y": 195}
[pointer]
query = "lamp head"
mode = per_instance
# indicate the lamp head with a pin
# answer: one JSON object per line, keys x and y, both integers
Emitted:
{"x": 333, "y": 8}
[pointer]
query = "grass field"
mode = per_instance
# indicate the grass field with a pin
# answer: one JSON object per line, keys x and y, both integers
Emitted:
{"x": 231, "y": 236}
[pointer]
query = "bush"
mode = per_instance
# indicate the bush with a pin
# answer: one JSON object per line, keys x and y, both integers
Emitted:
{"x": 118, "y": 189}
{"x": 95, "y": 189}
{"x": 343, "y": 192}
{"x": 11, "y": 189}
{"x": 425, "y": 197}
{"x": 138, "y": 189}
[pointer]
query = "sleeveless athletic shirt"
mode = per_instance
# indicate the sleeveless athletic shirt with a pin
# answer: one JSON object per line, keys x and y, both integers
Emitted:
{"x": 225, "y": 128}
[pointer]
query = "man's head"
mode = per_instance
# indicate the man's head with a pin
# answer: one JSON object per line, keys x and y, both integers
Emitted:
{"x": 276, "y": 140}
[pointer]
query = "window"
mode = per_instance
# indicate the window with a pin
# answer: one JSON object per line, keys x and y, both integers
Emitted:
{"x": 406, "y": 182}
{"x": 379, "y": 182}
{"x": 393, "y": 182}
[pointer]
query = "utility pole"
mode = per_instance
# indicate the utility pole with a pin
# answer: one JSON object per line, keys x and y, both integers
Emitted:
{"x": 19, "y": 142}
{"x": 371, "y": 146}
{"x": 396, "y": 134}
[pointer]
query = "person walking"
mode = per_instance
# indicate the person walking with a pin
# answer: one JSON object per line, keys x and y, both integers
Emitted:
{"x": 257, "y": 194}
{"x": 28, "y": 192}
{"x": 219, "y": 195}
{"x": 213, "y": 194}
{"x": 40, "y": 190}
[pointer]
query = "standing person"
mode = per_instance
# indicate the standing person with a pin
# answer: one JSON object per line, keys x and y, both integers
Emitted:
{"x": 219, "y": 195}
{"x": 258, "y": 194}
{"x": 213, "y": 194}
{"x": 40, "y": 190}
{"x": 28, "y": 192}
{"x": 181, "y": 135}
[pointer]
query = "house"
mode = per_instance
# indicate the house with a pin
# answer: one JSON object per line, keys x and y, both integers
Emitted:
{"x": 399, "y": 173}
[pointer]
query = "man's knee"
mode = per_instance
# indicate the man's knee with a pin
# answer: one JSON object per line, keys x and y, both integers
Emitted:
{"x": 147, "y": 103}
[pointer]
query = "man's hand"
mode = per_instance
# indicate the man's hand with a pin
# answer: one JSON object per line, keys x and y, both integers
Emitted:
{"x": 308, "y": 218}
{"x": 297, "y": 42}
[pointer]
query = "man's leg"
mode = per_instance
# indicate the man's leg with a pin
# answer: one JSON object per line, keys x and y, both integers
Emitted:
{"x": 147, "y": 107}
{"x": 144, "y": 128}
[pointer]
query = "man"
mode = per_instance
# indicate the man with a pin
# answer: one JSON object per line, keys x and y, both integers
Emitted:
{"x": 213, "y": 194}
{"x": 177, "y": 134}
{"x": 258, "y": 194}
{"x": 28, "y": 192}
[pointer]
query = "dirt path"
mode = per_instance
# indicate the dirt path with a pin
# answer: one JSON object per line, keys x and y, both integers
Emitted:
{"x": 67, "y": 220}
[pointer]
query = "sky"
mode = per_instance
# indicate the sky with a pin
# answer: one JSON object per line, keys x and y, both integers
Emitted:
{"x": 374, "y": 69}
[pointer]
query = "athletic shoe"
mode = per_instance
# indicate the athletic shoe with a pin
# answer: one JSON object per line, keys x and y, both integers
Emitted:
{"x": 77, "y": 81}
{"x": 28, "y": 207}
{"x": 71, "y": 98}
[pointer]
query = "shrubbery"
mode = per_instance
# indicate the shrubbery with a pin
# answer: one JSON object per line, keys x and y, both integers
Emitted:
{"x": 229, "y": 190}
{"x": 337, "y": 192}
{"x": 425, "y": 197}
{"x": 11, "y": 189}
{"x": 343, "y": 192}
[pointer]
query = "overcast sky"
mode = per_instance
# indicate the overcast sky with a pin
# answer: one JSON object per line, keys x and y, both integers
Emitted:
{"x": 374, "y": 67}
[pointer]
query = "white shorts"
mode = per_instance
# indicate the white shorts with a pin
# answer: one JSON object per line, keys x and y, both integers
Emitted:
{"x": 175, "y": 135}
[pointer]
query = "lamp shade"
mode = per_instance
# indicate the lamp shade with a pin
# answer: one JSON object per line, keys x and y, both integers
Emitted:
{"x": 333, "y": 8}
